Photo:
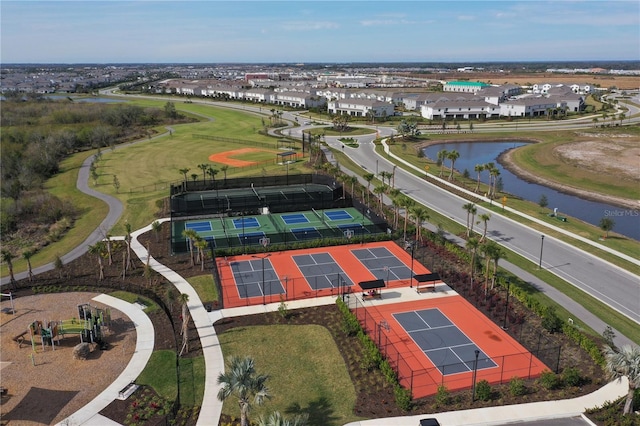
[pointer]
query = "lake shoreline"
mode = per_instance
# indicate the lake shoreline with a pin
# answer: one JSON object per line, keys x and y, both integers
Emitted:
{"x": 506, "y": 160}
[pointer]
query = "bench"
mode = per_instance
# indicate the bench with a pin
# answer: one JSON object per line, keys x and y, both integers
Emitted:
{"x": 426, "y": 282}
{"x": 426, "y": 287}
{"x": 19, "y": 339}
{"x": 367, "y": 296}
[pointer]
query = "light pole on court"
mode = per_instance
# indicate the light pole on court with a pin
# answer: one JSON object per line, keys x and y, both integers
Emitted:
{"x": 475, "y": 373}
{"x": 413, "y": 247}
{"x": 541, "y": 247}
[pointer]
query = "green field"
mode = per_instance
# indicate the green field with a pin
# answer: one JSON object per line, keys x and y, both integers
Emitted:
{"x": 305, "y": 370}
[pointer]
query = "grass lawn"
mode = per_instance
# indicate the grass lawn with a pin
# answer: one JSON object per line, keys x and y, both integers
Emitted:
{"x": 203, "y": 285}
{"x": 164, "y": 384}
{"x": 305, "y": 370}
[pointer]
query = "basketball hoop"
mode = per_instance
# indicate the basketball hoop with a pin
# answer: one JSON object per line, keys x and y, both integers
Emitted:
{"x": 264, "y": 241}
{"x": 348, "y": 234}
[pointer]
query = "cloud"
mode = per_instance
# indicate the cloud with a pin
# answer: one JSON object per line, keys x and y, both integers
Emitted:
{"x": 309, "y": 25}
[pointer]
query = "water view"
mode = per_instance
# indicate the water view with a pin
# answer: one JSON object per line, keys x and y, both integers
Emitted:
{"x": 627, "y": 222}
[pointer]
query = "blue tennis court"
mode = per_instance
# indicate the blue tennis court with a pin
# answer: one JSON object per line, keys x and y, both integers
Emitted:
{"x": 204, "y": 226}
{"x": 448, "y": 348}
{"x": 338, "y": 215}
{"x": 252, "y": 238}
{"x": 301, "y": 234}
{"x": 383, "y": 264}
{"x": 246, "y": 222}
{"x": 321, "y": 271}
{"x": 294, "y": 219}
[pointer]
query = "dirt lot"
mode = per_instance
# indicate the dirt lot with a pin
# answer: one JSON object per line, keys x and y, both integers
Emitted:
{"x": 604, "y": 80}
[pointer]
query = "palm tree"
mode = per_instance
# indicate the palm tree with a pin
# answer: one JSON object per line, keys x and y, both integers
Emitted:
{"x": 496, "y": 254}
{"x": 7, "y": 257}
{"x": 407, "y": 203}
{"x": 184, "y": 172}
{"x": 419, "y": 214}
{"x": 606, "y": 224}
{"x": 224, "y": 170}
{"x": 484, "y": 217}
{"x": 98, "y": 250}
{"x": 194, "y": 176}
{"x": 478, "y": 169}
{"x": 212, "y": 172}
{"x": 276, "y": 419}
{"x": 351, "y": 180}
{"x": 488, "y": 250}
{"x": 184, "y": 330}
{"x": 201, "y": 244}
{"x": 368, "y": 177}
{"x": 396, "y": 202}
{"x": 241, "y": 380}
{"x": 469, "y": 207}
{"x": 379, "y": 191}
{"x": 204, "y": 168}
{"x": 488, "y": 166}
{"x": 472, "y": 245}
{"x": 129, "y": 264}
{"x": 442, "y": 155}
{"x": 625, "y": 362}
{"x": 621, "y": 117}
{"x": 494, "y": 172}
{"x": 26, "y": 255}
{"x": 190, "y": 235}
{"x": 452, "y": 156}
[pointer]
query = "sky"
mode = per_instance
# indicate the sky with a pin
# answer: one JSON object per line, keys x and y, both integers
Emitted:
{"x": 85, "y": 31}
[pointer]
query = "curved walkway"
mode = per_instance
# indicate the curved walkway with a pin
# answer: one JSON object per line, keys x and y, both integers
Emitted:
{"x": 89, "y": 414}
{"x": 211, "y": 408}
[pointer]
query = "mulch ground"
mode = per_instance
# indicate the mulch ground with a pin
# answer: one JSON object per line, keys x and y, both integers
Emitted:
{"x": 375, "y": 397}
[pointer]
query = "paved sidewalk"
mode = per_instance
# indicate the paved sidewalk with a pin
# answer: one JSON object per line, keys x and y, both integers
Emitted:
{"x": 214, "y": 361}
{"x": 88, "y": 415}
{"x": 535, "y": 411}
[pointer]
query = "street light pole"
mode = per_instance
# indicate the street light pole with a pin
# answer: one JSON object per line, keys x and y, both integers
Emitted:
{"x": 262, "y": 258}
{"x": 541, "y": 247}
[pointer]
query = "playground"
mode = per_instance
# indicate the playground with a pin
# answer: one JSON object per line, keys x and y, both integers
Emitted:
{"x": 44, "y": 385}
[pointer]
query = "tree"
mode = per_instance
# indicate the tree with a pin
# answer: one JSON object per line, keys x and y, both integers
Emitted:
{"x": 496, "y": 254}
{"x": 396, "y": 202}
{"x": 127, "y": 238}
{"x": 58, "y": 265}
{"x": 419, "y": 214}
{"x": 194, "y": 176}
{"x": 184, "y": 329}
{"x": 478, "y": 169}
{"x": 204, "y": 168}
{"x": 98, "y": 250}
{"x": 276, "y": 419}
{"x": 543, "y": 202}
{"x": 606, "y": 224}
{"x": 170, "y": 110}
{"x": 116, "y": 183}
{"x": 212, "y": 172}
{"x": 379, "y": 191}
{"x": 442, "y": 155}
{"x": 484, "y": 218}
{"x": 472, "y": 245}
{"x": 7, "y": 257}
{"x": 469, "y": 208}
{"x": 241, "y": 380}
{"x": 184, "y": 171}
{"x": 625, "y": 362}
{"x": 201, "y": 244}
{"x": 191, "y": 235}
{"x": 494, "y": 172}
{"x": 224, "y": 169}
{"x": 407, "y": 203}
{"x": 26, "y": 255}
{"x": 156, "y": 226}
{"x": 352, "y": 180}
{"x": 452, "y": 156}
{"x": 368, "y": 177}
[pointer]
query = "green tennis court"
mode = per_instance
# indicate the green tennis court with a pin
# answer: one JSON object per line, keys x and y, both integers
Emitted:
{"x": 274, "y": 228}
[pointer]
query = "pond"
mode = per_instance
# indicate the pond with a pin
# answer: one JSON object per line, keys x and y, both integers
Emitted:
{"x": 627, "y": 221}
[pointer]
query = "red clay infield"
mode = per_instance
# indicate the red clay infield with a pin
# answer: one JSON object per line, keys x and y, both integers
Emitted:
{"x": 224, "y": 157}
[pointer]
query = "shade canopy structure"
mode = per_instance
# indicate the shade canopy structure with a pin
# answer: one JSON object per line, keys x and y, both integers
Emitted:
{"x": 371, "y": 285}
